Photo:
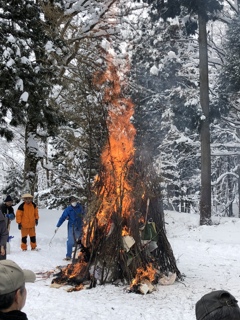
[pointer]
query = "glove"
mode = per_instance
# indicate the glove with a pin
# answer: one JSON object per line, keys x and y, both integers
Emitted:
{"x": 56, "y": 230}
{"x": 19, "y": 226}
{"x": 10, "y": 216}
{"x": 36, "y": 222}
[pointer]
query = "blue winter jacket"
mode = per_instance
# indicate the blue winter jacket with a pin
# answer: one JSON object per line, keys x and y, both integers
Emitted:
{"x": 74, "y": 215}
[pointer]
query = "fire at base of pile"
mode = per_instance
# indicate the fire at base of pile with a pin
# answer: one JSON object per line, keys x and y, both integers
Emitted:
{"x": 113, "y": 258}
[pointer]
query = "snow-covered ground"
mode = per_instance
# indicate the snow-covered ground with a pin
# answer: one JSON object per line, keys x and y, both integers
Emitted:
{"x": 208, "y": 256}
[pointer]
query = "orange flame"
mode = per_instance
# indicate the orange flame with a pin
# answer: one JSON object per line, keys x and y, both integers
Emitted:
{"x": 142, "y": 274}
{"x": 76, "y": 288}
{"x": 125, "y": 231}
{"x": 117, "y": 156}
{"x": 73, "y": 270}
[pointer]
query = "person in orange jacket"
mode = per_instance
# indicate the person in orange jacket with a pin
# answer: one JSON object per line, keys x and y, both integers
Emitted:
{"x": 27, "y": 218}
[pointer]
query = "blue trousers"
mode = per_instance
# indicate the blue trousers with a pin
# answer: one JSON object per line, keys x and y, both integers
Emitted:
{"x": 73, "y": 234}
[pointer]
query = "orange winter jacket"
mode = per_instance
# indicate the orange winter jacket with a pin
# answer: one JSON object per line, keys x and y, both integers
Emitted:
{"x": 26, "y": 214}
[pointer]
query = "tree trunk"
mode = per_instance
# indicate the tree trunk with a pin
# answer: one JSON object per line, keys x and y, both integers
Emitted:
{"x": 230, "y": 187}
{"x": 31, "y": 160}
{"x": 205, "y": 201}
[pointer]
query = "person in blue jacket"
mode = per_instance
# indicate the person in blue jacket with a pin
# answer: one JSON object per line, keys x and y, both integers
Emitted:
{"x": 74, "y": 214}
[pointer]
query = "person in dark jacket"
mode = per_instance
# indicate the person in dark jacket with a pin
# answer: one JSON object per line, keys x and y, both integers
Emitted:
{"x": 74, "y": 214}
{"x": 8, "y": 211}
{"x": 12, "y": 290}
{"x": 217, "y": 305}
{"x": 3, "y": 237}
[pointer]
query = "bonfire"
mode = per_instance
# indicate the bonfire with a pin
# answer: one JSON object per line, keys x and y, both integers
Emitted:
{"x": 124, "y": 239}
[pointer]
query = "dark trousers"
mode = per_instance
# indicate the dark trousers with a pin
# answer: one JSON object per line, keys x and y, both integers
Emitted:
{"x": 5, "y": 256}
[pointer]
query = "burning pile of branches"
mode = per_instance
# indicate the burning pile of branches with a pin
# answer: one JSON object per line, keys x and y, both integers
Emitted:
{"x": 140, "y": 257}
{"x": 124, "y": 237}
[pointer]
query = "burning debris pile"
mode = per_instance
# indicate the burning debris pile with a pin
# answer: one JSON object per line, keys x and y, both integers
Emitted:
{"x": 124, "y": 239}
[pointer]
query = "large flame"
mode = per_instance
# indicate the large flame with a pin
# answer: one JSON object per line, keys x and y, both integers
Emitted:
{"x": 117, "y": 156}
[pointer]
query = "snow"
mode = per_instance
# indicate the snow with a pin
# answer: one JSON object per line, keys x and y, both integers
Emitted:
{"x": 172, "y": 55}
{"x": 19, "y": 84}
{"x": 207, "y": 255}
{"x": 24, "y": 60}
{"x": 10, "y": 63}
{"x": 24, "y": 97}
{"x": 154, "y": 70}
{"x": 49, "y": 46}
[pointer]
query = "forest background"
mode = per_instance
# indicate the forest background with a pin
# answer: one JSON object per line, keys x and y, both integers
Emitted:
{"x": 55, "y": 114}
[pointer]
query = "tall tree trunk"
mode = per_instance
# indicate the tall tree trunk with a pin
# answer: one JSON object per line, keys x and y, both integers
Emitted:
{"x": 31, "y": 159}
{"x": 230, "y": 187}
{"x": 205, "y": 201}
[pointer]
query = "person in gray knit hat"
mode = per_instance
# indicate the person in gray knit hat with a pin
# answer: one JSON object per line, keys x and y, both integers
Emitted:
{"x": 217, "y": 305}
{"x": 12, "y": 290}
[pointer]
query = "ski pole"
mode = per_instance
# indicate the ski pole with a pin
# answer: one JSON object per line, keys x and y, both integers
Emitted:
{"x": 50, "y": 242}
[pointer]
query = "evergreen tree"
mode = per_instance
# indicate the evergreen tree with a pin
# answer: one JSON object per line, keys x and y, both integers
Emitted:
{"x": 204, "y": 10}
{"x": 27, "y": 77}
{"x": 229, "y": 81}
{"x": 26, "y": 74}
{"x": 172, "y": 8}
{"x": 227, "y": 137}
{"x": 14, "y": 183}
{"x": 167, "y": 117}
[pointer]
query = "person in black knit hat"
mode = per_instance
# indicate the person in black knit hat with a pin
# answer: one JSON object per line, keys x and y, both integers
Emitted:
{"x": 9, "y": 215}
{"x": 217, "y": 305}
{"x": 8, "y": 211}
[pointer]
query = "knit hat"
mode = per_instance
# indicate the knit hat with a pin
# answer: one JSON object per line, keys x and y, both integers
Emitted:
{"x": 8, "y": 198}
{"x": 12, "y": 277}
{"x": 27, "y": 195}
{"x": 212, "y": 301}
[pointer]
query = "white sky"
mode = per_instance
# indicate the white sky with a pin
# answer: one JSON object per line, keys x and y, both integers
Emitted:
{"x": 207, "y": 255}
